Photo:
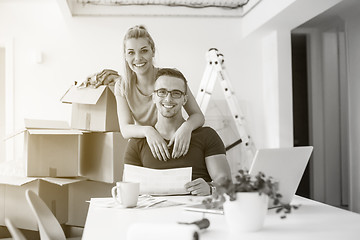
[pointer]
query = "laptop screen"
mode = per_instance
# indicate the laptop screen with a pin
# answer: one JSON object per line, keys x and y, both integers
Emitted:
{"x": 284, "y": 165}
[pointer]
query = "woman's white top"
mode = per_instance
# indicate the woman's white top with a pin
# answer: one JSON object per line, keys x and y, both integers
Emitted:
{"x": 142, "y": 108}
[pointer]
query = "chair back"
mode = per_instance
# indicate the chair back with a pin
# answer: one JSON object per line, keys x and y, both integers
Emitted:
{"x": 49, "y": 226}
{"x": 14, "y": 231}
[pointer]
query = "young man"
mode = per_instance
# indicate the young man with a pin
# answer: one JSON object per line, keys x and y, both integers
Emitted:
{"x": 206, "y": 153}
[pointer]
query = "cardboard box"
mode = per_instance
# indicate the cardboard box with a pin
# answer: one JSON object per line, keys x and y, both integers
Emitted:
{"x": 93, "y": 109}
{"x": 79, "y": 195}
{"x": 101, "y": 156}
{"x": 53, "y": 191}
{"x": 47, "y": 148}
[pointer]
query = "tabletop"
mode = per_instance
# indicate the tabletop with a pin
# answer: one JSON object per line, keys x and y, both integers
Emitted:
{"x": 313, "y": 220}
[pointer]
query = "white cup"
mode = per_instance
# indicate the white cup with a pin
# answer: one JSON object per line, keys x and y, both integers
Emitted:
{"x": 126, "y": 193}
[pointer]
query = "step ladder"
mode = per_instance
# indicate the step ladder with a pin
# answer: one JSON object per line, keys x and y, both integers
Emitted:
{"x": 215, "y": 70}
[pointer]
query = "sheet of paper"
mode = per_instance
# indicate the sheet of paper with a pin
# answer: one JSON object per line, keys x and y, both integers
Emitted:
{"x": 158, "y": 181}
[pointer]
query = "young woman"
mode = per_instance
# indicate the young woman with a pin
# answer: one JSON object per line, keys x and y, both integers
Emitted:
{"x": 136, "y": 111}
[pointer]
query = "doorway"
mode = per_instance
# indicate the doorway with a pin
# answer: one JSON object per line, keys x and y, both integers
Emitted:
{"x": 320, "y": 104}
{"x": 300, "y": 104}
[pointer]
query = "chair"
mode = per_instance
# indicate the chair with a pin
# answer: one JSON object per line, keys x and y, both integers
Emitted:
{"x": 49, "y": 226}
{"x": 14, "y": 231}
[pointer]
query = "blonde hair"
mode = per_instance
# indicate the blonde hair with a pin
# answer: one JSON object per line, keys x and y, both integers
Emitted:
{"x": 138, "y": 31}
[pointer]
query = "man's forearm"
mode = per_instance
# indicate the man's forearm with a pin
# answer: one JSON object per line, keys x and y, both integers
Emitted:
{"x": 218, "y": 167}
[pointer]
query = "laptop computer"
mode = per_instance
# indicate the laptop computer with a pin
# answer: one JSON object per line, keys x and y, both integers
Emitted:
{"x": 284, "y": 165}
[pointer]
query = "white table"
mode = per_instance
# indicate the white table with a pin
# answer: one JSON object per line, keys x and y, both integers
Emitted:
{"x": 313, "y": 220}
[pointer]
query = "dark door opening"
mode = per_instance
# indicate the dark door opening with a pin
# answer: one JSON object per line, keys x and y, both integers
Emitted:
{"x": 300, "y": 103}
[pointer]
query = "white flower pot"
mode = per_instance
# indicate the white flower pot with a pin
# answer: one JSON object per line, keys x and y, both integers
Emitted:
{"x": 247, "y": 213}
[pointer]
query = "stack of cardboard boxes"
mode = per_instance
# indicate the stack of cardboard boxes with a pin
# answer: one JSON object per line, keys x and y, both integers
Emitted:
{"x": 66, "y": 165}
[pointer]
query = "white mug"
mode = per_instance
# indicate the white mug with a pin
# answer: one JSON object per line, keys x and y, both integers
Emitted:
{"x": 126, "y": 193}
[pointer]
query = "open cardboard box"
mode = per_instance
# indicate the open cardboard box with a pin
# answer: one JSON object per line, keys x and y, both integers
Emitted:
{"x": 13, "y": 204}
{"x": 47, "y": 148}
{"x": 93, "y": 109}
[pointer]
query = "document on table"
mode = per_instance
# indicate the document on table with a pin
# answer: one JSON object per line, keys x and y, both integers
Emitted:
{"x": 158, "y": 181}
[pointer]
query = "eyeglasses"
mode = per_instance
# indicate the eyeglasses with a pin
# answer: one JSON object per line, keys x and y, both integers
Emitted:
{"x": 162, "y": 92}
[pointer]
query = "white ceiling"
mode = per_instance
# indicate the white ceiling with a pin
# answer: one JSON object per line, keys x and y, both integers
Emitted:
{"x": 78, "y": 8}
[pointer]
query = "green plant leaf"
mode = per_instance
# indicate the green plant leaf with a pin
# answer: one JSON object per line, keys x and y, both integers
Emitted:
{"x": 244, "y": 182}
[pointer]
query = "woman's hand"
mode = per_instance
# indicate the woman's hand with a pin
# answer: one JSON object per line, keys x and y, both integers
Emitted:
{"x": 157, "y": 144}
{"x": 181, "y": 141}
{"x": 198, "y": 187}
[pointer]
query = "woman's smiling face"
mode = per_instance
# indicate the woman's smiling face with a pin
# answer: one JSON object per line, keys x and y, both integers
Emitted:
{"x": 139, "y": 55}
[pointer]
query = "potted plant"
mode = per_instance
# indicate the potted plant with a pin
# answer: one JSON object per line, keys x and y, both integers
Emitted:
{"x": 245, "y": 202}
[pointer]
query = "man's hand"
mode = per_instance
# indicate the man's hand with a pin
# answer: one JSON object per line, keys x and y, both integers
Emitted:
{"x": 157, "y": 145}
{"x": 198, "y": 187}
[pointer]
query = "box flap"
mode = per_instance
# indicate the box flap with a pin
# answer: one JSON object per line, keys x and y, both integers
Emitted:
{"x": 47, "y": 124}
{"x": 39, "y": 124}
{"x": 64, "y": 181}
{"x": 16, "y": 181}
{"x": 54, "y": 132}
{"x": 86, "y": 95}
{"x": 19, "y": 181}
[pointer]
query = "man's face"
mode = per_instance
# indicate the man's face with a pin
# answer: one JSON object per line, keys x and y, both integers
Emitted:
{"x": 169, "y": 105}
